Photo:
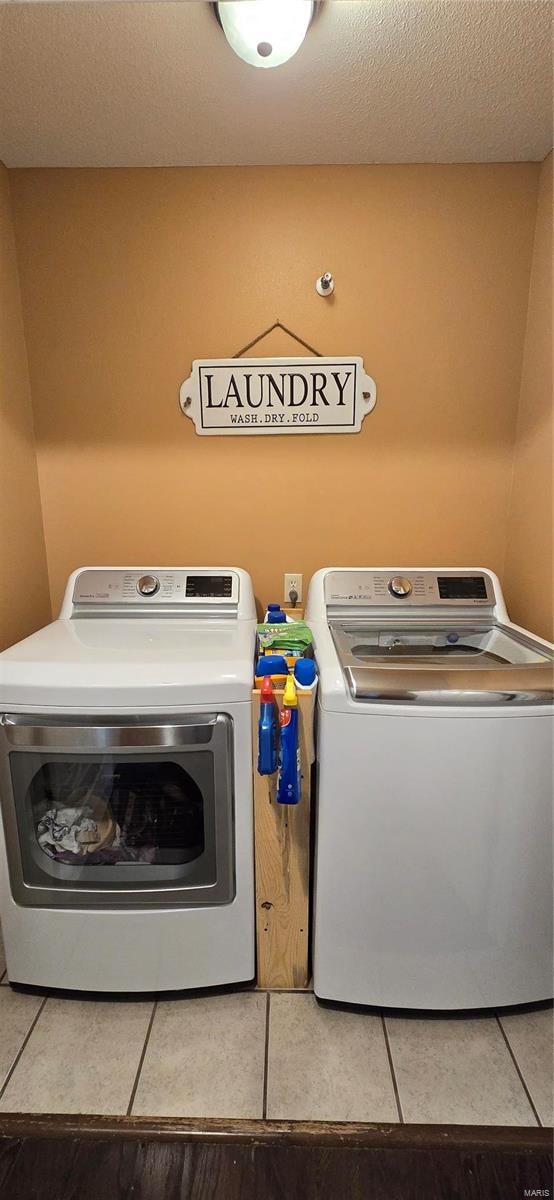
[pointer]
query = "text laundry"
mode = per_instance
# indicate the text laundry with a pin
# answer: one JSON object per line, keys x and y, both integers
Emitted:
{"x": 290, "y": 389}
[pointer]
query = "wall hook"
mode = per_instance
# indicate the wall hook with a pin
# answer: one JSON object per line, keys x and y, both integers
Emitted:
{"x": 325, "y": 285}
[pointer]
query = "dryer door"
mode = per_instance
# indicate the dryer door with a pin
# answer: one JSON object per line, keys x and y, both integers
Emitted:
{"x": 114, "y": 814}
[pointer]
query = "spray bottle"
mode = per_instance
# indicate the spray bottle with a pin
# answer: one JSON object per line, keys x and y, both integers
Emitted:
{"x": 289, "y": 784}
{"x": 267, "y": 730}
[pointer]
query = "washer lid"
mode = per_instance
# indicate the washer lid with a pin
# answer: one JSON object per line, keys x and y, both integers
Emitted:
{"x": 115, "y": 663}
{"x": 487, "y": 664}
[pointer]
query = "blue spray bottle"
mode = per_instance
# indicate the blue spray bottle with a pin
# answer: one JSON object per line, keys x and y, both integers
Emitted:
{"x": 289, "y": 784}
{"x": 267, "y": 730}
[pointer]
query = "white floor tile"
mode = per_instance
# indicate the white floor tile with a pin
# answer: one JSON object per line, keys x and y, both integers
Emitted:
{"x": 326, "y": 1065}
{"x": 82, "y": 1056}
{"x": 531, "y": 1037}
{"x": 17, "y": 1013}
{"x": 459, "y": 1072}
{"x": 205, "y": 1058}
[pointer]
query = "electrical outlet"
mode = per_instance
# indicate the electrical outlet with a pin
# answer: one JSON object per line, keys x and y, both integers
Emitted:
{"x": 293, "y": 583}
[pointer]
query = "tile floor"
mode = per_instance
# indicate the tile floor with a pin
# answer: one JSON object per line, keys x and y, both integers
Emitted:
{"x": 278, "y": 1055}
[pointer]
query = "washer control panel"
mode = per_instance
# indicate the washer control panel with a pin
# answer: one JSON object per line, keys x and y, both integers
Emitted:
{"x": 156, "y": 588}
{"x": 406, "y": 587}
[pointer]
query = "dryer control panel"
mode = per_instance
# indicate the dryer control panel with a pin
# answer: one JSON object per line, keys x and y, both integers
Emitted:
{"x": 178, "y": 590}
{"x": 405, "y": 587}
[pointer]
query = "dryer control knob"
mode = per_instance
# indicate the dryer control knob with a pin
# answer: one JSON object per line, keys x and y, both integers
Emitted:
{"x": 148, "y": 585}
{"x": 399, "y": 587}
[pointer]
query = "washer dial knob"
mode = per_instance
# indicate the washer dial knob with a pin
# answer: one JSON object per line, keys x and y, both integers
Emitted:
{"x": 400, "y": 587}
{"x": 148, "y": 585}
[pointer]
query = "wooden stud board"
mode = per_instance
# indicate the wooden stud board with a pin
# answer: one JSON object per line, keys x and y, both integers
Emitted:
{"x": 282, "y": 847}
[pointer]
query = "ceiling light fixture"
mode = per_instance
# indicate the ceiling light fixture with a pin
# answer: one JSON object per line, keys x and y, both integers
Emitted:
{"x": 265, "y": 33}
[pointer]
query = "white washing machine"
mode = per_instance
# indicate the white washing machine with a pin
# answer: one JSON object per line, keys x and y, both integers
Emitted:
{"x": 433, "y": 875}
{"x": 126, "y": 856}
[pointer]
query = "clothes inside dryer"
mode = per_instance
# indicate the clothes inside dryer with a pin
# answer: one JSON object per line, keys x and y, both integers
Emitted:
{"x": 117, "y": 812}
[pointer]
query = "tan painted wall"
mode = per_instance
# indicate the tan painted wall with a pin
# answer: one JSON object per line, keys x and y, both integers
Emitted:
{"x": 24, "y": 600}
{"x": 529, "y": 577}
{"x": 127, "y": 275}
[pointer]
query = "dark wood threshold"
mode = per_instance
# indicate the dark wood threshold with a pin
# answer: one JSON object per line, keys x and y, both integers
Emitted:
{"x": 480, "y": 1138}
{"x": 62, "y": 1157}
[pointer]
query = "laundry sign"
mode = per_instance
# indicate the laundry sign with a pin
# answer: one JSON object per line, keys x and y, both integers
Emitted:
{"x": 277, "y": 395}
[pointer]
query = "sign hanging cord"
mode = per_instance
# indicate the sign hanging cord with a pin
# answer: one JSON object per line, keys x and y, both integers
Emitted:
{"x": 277, "y": 325}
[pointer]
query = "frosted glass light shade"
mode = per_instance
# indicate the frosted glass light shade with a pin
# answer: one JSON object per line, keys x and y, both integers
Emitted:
{"x": 265, "y": 33}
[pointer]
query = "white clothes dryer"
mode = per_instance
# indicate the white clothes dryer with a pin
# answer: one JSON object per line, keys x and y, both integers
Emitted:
{"x": 126, "y": 853}
{"x": 433, "y": 863}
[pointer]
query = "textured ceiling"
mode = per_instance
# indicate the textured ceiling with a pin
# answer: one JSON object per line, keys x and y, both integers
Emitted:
{"x": 152, "y": 84}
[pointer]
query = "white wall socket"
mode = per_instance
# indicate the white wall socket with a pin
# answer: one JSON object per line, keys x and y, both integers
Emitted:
{"x": 293, "y": 582}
